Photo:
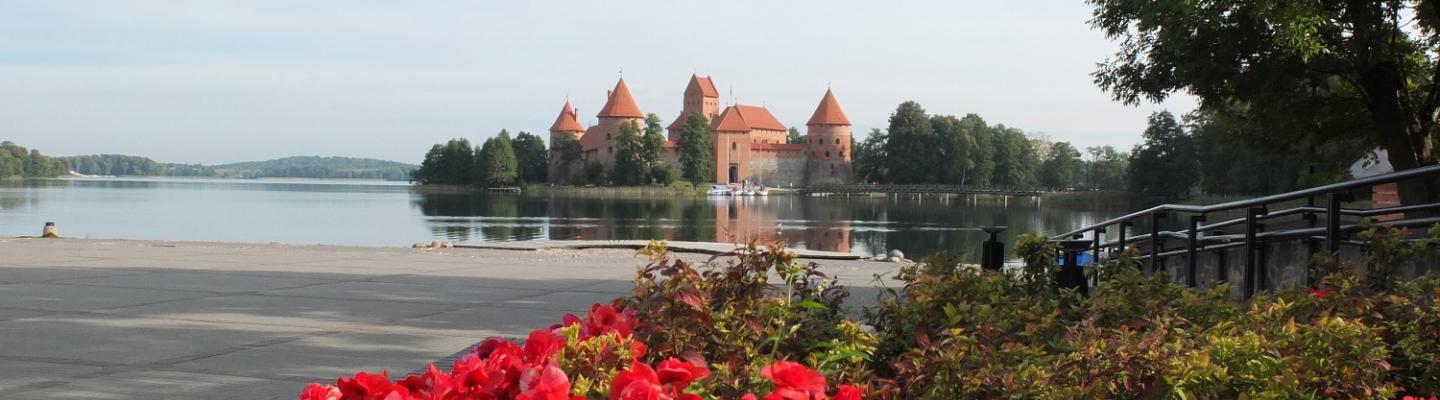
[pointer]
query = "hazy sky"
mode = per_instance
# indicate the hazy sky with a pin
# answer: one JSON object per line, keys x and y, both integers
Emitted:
{"x": 223, "y": 81}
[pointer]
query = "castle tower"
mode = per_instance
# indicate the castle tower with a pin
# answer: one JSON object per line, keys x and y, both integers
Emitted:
{"x": 700, "y": 97}
{"x": 730, "y": 134}
{"x": 567, "y": 125}
{"x": 599, "y": 141}
{"x": 828, "y": 147}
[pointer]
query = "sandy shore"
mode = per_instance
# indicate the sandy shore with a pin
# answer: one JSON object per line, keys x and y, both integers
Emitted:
{"x": 83, "y": 318}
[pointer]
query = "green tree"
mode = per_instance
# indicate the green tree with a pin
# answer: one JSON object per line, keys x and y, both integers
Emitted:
{"x": 1165, "y": 166}
{"x": 1107, "y": 168}
{"x": 868, "y": 157}
{"x": 531, "y": 157}
{"x": 498, "y": 165}
{"x": 654, "y": 143}
{"x": 793, "y": 136}
{"x": 696, "y": 165}
{"x": 1015, "y": 158}
{"x": 956, "y": 148}
{"x": 982, "y": 155}
{"x": 1300, "y": 72}
{"x": 452, "y": 163}
{"x": 1062, "y": 166}
{"x": 630, "y": 166}
{"x": 910, "y": 151}
{"x": 567, "y": 148}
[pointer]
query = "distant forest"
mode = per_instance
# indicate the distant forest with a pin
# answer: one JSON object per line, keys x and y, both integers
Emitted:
{"x": 288, "y": 167}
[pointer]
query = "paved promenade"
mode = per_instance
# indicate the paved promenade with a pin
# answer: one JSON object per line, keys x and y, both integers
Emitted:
{"x": 106, "y": 319}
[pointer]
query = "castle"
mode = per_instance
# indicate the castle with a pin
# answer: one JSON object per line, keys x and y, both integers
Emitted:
{"x": 748, "y": 142}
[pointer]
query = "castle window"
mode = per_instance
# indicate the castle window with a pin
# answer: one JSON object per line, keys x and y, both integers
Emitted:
{"x": 827, "y": 154}
{"x": 842, "y": 154}
{"x": 610, "y": 149}
{"x": 733, "y": 146}
{"x": 607, "y": 136}
{"x": 837, "y": 140}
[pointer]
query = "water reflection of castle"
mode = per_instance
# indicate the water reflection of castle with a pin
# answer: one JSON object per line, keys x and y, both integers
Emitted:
{"x": 726, "y": 220}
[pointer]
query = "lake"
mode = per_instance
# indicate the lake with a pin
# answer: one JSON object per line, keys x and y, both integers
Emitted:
{"x": 378, "y": 213}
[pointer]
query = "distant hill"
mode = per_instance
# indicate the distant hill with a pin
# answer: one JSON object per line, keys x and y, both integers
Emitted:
{"x": 318, "y": 167}
{"x": 288, "y": 167}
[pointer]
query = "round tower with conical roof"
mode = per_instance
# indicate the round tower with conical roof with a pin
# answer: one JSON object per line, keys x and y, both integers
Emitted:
{"x": 566, "y": 126}
{"x": 619, "y": 108}
{"x": 828, "y": 143}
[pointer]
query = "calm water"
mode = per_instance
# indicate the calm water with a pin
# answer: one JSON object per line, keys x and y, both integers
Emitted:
{"x": 390, "y": 214}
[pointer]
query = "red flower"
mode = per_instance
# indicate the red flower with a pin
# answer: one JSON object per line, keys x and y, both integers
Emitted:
{"x": 541, "y": 345}
{"x": 849, "y": 392}
{"x": 365, "y": 386}
{"x": 680, "y": 373}
{"x": 640, "y": 382}
{"x": 317, "y": 391}
{"x": 548, "y": 383}
{"x": 601, "y": 320}
{"x": 794, "y": 381}
{"x": 1319, "y": 294}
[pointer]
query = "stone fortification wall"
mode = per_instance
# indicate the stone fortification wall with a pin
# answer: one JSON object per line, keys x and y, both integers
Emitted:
{"x": 778, "y": 168}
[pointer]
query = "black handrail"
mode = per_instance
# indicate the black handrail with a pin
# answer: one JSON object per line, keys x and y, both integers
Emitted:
{"x": 1262, "y": 201}
{"x": 1255, "y": 210}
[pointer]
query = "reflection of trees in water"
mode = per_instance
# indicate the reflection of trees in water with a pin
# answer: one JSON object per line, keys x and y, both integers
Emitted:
{"x": 501, "y": 217}
{"x": 873, "y": 225}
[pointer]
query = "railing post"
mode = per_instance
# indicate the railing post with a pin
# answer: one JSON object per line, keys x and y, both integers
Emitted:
{"x": 1250, "y": 267}
{"x": 1123, "y": 225}
{"x": 1156, "y": 244}
{"x": 1192, "y": 252}
{"x": 1096, "y": 239}
{"x": 1222, "y": 262}
{"x": 1332, "y": 222}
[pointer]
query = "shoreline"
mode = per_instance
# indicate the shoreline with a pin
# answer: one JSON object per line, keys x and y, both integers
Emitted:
{"x": 707, "y": 248}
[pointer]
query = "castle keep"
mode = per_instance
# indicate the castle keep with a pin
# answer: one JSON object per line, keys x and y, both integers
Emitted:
{"x": 748, "y": 142}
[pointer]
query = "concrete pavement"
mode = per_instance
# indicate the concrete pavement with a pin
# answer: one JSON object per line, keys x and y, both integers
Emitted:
{"x": 110, "y": 319}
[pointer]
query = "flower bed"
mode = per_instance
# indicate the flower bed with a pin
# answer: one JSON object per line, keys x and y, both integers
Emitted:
{"x": 727, "y": 329}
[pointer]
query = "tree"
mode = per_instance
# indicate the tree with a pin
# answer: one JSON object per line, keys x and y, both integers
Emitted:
{"x": 793, "y": 136}
{"x": 654, "y": 143}
{"x": 1107, "y": 168}
{"x": 909, "y": 151}
{"x": 868, "y": 157}
{"x": 956, "y": 148}
{"x": 497, "y": 162}
{"x": 530, "y": 156}
{"x": 1015, "y": 159}
{"x": 1165, "y": 166}
{"x": 451, "y": 164}
{"x": 567, "y": 148}
{"x": 1301, "y": 72}
{"x": 982, "y": 155}
{"x": 1062, "y": 166}
{"x": 630, "y": 167}
{"x": 696, "y": 165}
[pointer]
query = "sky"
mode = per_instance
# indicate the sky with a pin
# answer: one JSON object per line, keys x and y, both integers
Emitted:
{"x": 201, "y": 81}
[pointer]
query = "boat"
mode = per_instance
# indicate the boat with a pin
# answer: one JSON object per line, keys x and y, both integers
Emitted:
{"x": 762, "y": 191}
{"x": 719, "y": 190}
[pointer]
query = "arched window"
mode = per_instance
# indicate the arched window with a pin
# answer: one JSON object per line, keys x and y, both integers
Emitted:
{"x": 607, "y": 135}
{"x": 842, "y": 154}
{"x": 733, "y": 146}
{"x": 827, "y": 154}
{"x": 837, "y": 140}
{"x": 610, "y": 149}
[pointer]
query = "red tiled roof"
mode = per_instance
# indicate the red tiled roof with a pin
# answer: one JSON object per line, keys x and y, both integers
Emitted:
{"x": 567, "y": 122}
{"x": 760, "y": 118}
{"x": 621, "y": 103}
{"x": 704, "y": 85}
{"x": 731, "y": 121}
{"x": 679, "y": 121}
{"x": 828, "y": 112}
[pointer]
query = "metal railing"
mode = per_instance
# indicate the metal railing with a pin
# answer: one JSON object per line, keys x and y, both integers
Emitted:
{"x": 1255, "y": 213}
